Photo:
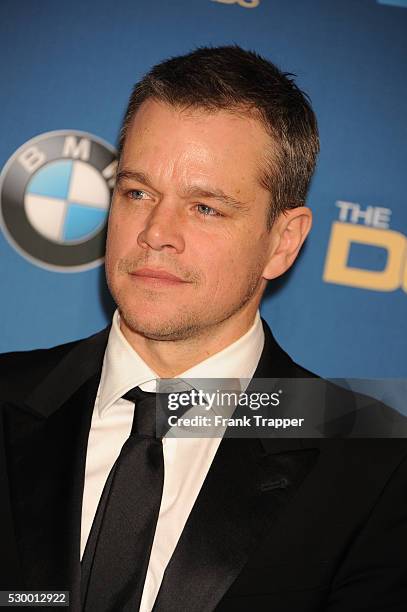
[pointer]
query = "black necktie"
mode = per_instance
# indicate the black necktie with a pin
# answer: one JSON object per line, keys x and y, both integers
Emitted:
{"x": 117, "y": 553}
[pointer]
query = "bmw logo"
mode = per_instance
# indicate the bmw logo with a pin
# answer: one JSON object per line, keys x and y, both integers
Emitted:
{"x": 55, "y": 192}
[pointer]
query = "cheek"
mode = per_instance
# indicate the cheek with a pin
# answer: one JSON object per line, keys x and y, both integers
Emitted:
{"x": 224, "y": 267}
{"x": 121, "y": 237}
{"x": 112, "y": 243}
{"x": 241, "y": 265}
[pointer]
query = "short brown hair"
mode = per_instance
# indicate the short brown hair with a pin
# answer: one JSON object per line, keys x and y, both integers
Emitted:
{"x": 231, "y": 78}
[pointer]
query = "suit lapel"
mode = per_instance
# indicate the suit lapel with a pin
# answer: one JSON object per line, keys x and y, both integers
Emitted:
{"x": 244, "y": 493}
{"x": 248, "y": 486}
{"x": 47, "y": 441}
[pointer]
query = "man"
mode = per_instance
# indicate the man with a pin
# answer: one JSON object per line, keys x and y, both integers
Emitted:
{"x": 217, "y": 151}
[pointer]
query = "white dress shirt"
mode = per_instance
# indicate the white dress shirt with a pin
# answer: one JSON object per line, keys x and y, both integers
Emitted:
{"x": 186, "y": 460}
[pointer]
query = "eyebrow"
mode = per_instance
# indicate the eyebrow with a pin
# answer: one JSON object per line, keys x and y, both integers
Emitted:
{"x": 215, "y": 194}
{"x": 128, "y": 175}
{"x": 192, "y": 191}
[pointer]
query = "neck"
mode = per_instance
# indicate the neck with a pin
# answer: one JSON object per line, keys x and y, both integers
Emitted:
{"x": 169, "y": 358}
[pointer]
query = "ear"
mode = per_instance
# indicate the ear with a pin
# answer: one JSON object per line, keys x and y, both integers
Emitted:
{"x": 287, "y": 235}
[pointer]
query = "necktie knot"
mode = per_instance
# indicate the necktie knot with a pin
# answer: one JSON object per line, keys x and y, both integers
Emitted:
{"x": 145, "y": 410}
{"x": 152, "y": 411}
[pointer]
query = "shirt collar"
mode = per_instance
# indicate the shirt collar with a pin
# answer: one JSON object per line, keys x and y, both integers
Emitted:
{"x": 123, "y": 368}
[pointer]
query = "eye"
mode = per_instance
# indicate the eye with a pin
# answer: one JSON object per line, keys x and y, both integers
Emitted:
{"x": 137, "y": 194}
{"x": 207, "y": 211}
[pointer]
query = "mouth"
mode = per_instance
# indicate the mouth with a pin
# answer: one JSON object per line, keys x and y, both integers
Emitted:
{"x": 156, "y": 276}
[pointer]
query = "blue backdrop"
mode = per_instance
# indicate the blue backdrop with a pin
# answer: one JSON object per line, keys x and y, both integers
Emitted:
{"x": 69, "y": 66}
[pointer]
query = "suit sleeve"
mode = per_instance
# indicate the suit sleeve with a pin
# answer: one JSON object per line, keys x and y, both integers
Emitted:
{"x": 373, "y": 575}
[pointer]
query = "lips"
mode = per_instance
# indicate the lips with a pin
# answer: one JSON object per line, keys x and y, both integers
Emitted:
{"x": 157, "y": 274}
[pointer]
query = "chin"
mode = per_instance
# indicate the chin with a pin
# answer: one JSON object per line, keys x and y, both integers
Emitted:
{"x": 158, "y": 327}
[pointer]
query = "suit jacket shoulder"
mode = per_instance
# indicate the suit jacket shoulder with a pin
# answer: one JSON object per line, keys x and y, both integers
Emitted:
{"x": 21, "y": 372}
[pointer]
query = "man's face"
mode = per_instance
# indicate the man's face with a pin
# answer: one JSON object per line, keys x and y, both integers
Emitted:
{"x": 188, "y": 203}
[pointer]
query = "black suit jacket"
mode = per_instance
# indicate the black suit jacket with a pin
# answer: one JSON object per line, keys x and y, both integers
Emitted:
{"x": 283, "y": 525}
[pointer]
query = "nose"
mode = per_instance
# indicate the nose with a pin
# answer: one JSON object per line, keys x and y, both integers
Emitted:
{"x": 162, "y": 230}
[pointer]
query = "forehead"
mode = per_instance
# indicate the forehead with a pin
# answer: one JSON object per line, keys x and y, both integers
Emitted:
{"x": 168, "y": 142}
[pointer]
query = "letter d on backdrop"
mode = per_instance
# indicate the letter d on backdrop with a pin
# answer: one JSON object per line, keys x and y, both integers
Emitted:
{"x": 336, "y": 264}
